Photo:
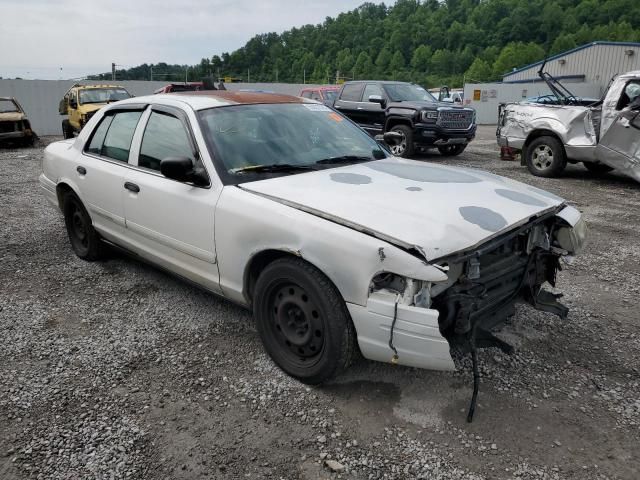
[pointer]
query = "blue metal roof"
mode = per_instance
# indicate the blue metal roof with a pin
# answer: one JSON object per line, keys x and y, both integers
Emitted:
{"x": 573, "y": 50}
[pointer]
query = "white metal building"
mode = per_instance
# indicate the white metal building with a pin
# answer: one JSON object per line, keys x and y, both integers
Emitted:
{"x": 593, "y": 63}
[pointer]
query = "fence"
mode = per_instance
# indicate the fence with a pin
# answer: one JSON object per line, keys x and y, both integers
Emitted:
{"x": 40, "y": 98}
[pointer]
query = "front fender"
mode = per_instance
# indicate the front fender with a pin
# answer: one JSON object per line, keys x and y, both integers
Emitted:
{"x": 247, "y": 224}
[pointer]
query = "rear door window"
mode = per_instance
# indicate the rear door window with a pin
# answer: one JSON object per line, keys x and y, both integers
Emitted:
{"x": 352, "y": 92}
{"x": 117, "y": 141}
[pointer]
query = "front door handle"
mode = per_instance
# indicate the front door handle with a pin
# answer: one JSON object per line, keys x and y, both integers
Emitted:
{"x": 81, "y": 170}
{"x": 132, "y": 187}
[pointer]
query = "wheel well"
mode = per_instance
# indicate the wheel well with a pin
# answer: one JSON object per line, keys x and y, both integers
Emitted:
{"x": 537, "y": 134}
{"x": 392, "y": 122}
{"x": 61, "y": 190}
{"x": 255, "y": 267}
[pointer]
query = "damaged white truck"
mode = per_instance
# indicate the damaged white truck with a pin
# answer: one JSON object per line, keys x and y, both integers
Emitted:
{"x": 603, "y": 136}
{"x": 286, "y": 207}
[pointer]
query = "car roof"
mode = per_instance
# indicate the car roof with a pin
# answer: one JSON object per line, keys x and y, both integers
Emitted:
{"x": 87, "y": 87}
{"x": 324, "y": 87}
{"x": 204, "y": 99}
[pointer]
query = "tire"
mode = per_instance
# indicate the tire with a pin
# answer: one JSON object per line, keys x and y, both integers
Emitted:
{"x": 84, "y": 240}
{"x": 598, "y": 168}
{"x": 452, "y": 150}
{"x": 67, "y": 130}
{"x": 405, "y": 148}
{"x": 303, "y": 321}
{"x": 545, "y": 157}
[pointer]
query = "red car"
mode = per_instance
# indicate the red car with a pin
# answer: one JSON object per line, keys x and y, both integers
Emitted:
{"x": 181, "y": 87}
{"x": 326, "y": 95}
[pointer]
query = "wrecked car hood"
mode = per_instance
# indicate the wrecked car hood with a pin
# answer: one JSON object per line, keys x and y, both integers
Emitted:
{"x": 435, "y": 209}
{"x": 11, "y": 116}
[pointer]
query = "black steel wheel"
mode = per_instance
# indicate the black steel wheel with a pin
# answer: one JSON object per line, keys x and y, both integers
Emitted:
{"x": 303, "y": 321}
{"x": 84, "y": 240}
{"x": 67, "y": 129}
{"x": 405, "y": 147}
{"x": 451, "y": 150}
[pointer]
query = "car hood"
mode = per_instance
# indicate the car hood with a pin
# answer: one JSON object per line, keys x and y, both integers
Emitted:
{"x": 11, "y": 116}
{"x": 434, "y": 209}
{"x": 416, "y": 105}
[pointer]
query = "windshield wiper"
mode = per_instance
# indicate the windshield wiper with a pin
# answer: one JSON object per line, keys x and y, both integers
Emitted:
{"x": 344, "y": 159}
{"x": 276, "y": 167}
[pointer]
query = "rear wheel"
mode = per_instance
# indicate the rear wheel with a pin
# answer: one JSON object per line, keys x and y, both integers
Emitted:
{"x": 545, "y": 157}
{"x": 451, "y": 150}
{"x": 303, "y": 321}
{"x": 67, "y": 130}
{"x": 84, "y": 240}
{"x": 598, "y": 168}
{"x": 405, "y": 147}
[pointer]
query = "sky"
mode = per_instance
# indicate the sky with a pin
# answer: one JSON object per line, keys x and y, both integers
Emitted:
{"x": 62, "y": 39}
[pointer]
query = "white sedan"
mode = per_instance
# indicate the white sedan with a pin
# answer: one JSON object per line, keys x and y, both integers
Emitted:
{"x": 286, "y": 207}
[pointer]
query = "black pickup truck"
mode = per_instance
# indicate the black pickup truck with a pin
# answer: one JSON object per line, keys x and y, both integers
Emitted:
{"x": 406, "y": 108}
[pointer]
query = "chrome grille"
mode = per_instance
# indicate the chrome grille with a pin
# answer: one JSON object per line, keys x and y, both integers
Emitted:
{"x": 455, "y": 119}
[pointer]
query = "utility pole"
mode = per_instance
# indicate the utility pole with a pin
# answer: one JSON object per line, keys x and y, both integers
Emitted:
{"x": 113, "y": 71}
{"x": 186, "y": 74}
{"x": 304, "y": 76}
{"x": 276, "y": 75}
{"x": 248, "y": 76}
{"x": 151, "y": 72}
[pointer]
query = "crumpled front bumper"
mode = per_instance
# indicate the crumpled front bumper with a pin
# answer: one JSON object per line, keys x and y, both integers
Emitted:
{"x": 416, "y": 334}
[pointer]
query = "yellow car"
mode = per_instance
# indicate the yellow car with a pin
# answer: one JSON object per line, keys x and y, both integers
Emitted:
{"x": 82, "y": 101}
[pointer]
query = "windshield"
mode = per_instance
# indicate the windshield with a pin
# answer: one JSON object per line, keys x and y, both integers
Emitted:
{"x": 103, "y": 95}
{"x": 407, "y": 92}
{"x": 244, "y": 137}
{"x": 7, "y": 106}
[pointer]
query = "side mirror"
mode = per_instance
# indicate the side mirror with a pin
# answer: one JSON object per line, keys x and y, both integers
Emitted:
{"x": 390, "y": 138}
{"x": 182, "y": 169}
{"x": 378, "y": 99}
{"x": 73, "y": 103}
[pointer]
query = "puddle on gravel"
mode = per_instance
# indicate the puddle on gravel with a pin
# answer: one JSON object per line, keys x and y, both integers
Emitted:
{"x": 369, "y": 404}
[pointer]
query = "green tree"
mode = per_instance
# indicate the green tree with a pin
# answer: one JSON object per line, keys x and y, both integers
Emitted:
{"x": 364, "y": 66}
{"x": 479, "y": 71}
{"x": 383, "y": 60}
{"x": 397, "y": 62}
{"x": 420, "y": 59}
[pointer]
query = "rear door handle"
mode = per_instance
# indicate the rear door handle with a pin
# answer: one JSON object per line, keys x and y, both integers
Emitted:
{"x": 81, "y": 170}
{"x": 132, "y": 187}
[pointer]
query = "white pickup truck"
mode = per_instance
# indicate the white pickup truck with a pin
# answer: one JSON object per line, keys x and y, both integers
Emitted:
{"x": 603, "y": 136}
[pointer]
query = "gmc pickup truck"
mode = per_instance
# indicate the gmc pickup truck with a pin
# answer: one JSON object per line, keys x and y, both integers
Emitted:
{"x": 410, "y": 110}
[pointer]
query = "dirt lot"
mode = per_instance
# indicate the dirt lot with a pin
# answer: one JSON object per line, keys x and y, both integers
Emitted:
{"x": 116, "y": 370}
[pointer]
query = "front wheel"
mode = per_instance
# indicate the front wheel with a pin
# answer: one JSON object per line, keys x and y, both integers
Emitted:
{"x": 405, "y": 147}
{"x": 67, "y": 129}
{"x": 451, "y": 150}
{"x": 303, "y": 321}
{"x": 84, "y": 240}
{"x": 545, "y": 157}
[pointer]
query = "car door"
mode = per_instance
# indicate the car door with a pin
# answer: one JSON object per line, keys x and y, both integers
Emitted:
{"x": 619, "y": 146}
{"x": 349, "y": 101}
{"x": 101, "y": 168}
{"x": 168, "y": 221}
{"x": 371, "y": 113}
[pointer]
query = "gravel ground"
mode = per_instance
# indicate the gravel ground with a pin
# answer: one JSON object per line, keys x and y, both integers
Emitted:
{"x": 115, "y": 370}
